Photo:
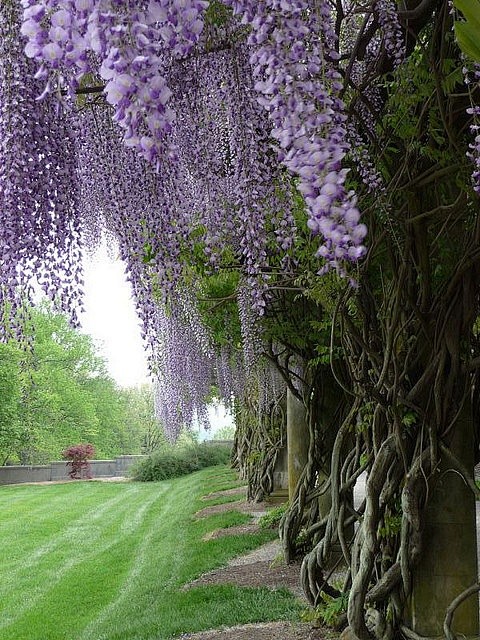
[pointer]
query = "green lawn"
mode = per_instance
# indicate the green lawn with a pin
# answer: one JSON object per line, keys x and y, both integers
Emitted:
{"x": 98, "y": 561}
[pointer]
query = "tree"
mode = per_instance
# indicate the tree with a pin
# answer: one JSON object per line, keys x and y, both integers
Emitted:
{"x": 59, "y": 392}
{"x": 141, "y": 421}
{"x": 56, "y": 409}
{"x": 13, "y": 435}
{"x": 225, "y": 432}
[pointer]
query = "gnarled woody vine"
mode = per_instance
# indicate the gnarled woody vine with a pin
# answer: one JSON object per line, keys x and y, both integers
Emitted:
{"x": 268, "y": 98}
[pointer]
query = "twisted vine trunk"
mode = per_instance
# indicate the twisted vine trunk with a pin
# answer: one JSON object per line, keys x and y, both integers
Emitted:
{"x": 259, "y": 437}
{"x": 414, "y": 550}
{"x": 411, "y": 349}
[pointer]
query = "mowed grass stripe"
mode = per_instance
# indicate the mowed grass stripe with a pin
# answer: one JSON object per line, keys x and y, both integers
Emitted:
{"x": 35, "y": 542}
{"x": 156, "y": 607}
{"x": 42, "y": 510}
{"x": 77, "y": 552}
{"x": 85, "y": 542}
{"x": 116, "y": 572}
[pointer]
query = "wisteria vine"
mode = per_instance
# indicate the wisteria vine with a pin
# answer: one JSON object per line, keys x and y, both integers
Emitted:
{"x": 472, "y": 80}
{"x": 215, "y": 116}
{"x": 40, "y": 233}
{"x": 293, "y": 51}
{"x": 234, "y": 137}
{"x": 128, "y": 45}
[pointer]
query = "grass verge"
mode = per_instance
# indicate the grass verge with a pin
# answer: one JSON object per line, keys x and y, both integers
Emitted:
{"x": 106, "y": 561}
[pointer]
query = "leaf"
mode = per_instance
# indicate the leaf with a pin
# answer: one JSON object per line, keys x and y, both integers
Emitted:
{"x": 471, "y": 11}
{"x": 468, "y": 33}
{"x": 468, "y": 39}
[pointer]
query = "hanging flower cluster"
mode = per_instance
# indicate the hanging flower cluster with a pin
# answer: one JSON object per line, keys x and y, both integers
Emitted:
{"x": 186, "y": 366}
{"x": 132, "y": 46}
{"x": 474, "y": 153}
{"x": 136, "y": 205}
{"x": 393, "y": 39}
{"x": 224, "y": 127}
{"x": 204, "y": 160}
{"x": 472, "y": 80}
{"x": 256, "y": 181}
{"x": 129, "y": 44}
{"x": 364, "y": 164}
{"x": 293, "y": 50}
{"x": 40, "y": 229}
{"x": 230, "y": 384}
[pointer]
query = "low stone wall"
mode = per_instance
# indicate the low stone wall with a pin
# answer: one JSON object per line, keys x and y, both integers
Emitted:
{"x": 58, "y": 470}
{"x": 226, "y": 443}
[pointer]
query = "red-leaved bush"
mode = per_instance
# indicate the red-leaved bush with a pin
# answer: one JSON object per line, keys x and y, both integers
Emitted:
{"x": 78, "y": 456}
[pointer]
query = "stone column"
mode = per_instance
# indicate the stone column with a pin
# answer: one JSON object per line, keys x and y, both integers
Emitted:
{"x": 298, "y": 440}
{"x": 279, "y": 491}
{"x": 449, "y": 560}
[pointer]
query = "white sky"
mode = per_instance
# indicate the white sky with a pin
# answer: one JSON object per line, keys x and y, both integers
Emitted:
{"x": 111, "y": 319}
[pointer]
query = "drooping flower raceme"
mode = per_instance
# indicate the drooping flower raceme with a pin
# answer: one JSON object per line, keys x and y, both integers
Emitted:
{"x": 40, "y": 228}
{"x": 393, "y": 39}
{"x": 293, "y": 50}
{"x": 472, "y": 81}
{"x": 365, "y": 167}
{"x": 186, "y": 365}
{"x": 129, "y": 45}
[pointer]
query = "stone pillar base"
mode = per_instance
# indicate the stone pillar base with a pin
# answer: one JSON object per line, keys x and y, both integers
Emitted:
{"x": 277, "y": 497}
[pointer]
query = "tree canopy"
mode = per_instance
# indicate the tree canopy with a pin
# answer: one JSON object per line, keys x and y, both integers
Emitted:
{"x": 59, "y": 392}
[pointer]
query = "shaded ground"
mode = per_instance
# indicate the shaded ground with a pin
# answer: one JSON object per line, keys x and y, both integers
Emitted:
{"x": 262, "y": 631}
{"x": 263, "y": 567}
{"x": 260, "y": 568}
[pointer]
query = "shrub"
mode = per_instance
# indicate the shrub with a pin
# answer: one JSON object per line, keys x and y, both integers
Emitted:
{"x": 77, "y": 458}
{"x": 180, "y": 461}
{"x": 271, "y": 520}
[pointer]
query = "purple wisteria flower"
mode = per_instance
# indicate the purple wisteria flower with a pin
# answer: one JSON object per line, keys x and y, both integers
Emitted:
{"x": 293, "y": 51}
{"x": 40, "y": 230}
{"x": 129, "y": 44}
{"x": 393, "y": 38}
{"x": 472, "y": 81}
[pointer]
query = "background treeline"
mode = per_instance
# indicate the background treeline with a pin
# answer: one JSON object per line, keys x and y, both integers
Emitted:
{"x": 56, "y": 392}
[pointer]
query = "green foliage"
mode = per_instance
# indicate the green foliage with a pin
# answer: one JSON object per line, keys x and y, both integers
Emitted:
{"x": 365, "y": 417}
{"x": 325, "y": 291}
{"x": 468, "y": 32}
{"x": 328, "y": 611}
{"x": 59, "y": 393}
{"x": 409, "y": 419}
{"x": 180, "y": 461}
{"x": 331, "y": 608}
{"x": 217, "y": 13}
{"x": 392, "y": 519}
{"x": 414, "y": 123}
{"x": 271, "y": 520}
{"x": 13, "y": 435}
{"x": 391, "y": 525}
{"x": 141, "y": 425}
{"x": 412, "y": 86}
{"x": 364, "y": 458}
{"x": 218, "y": 307}
{"x": 227, "y": 432}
